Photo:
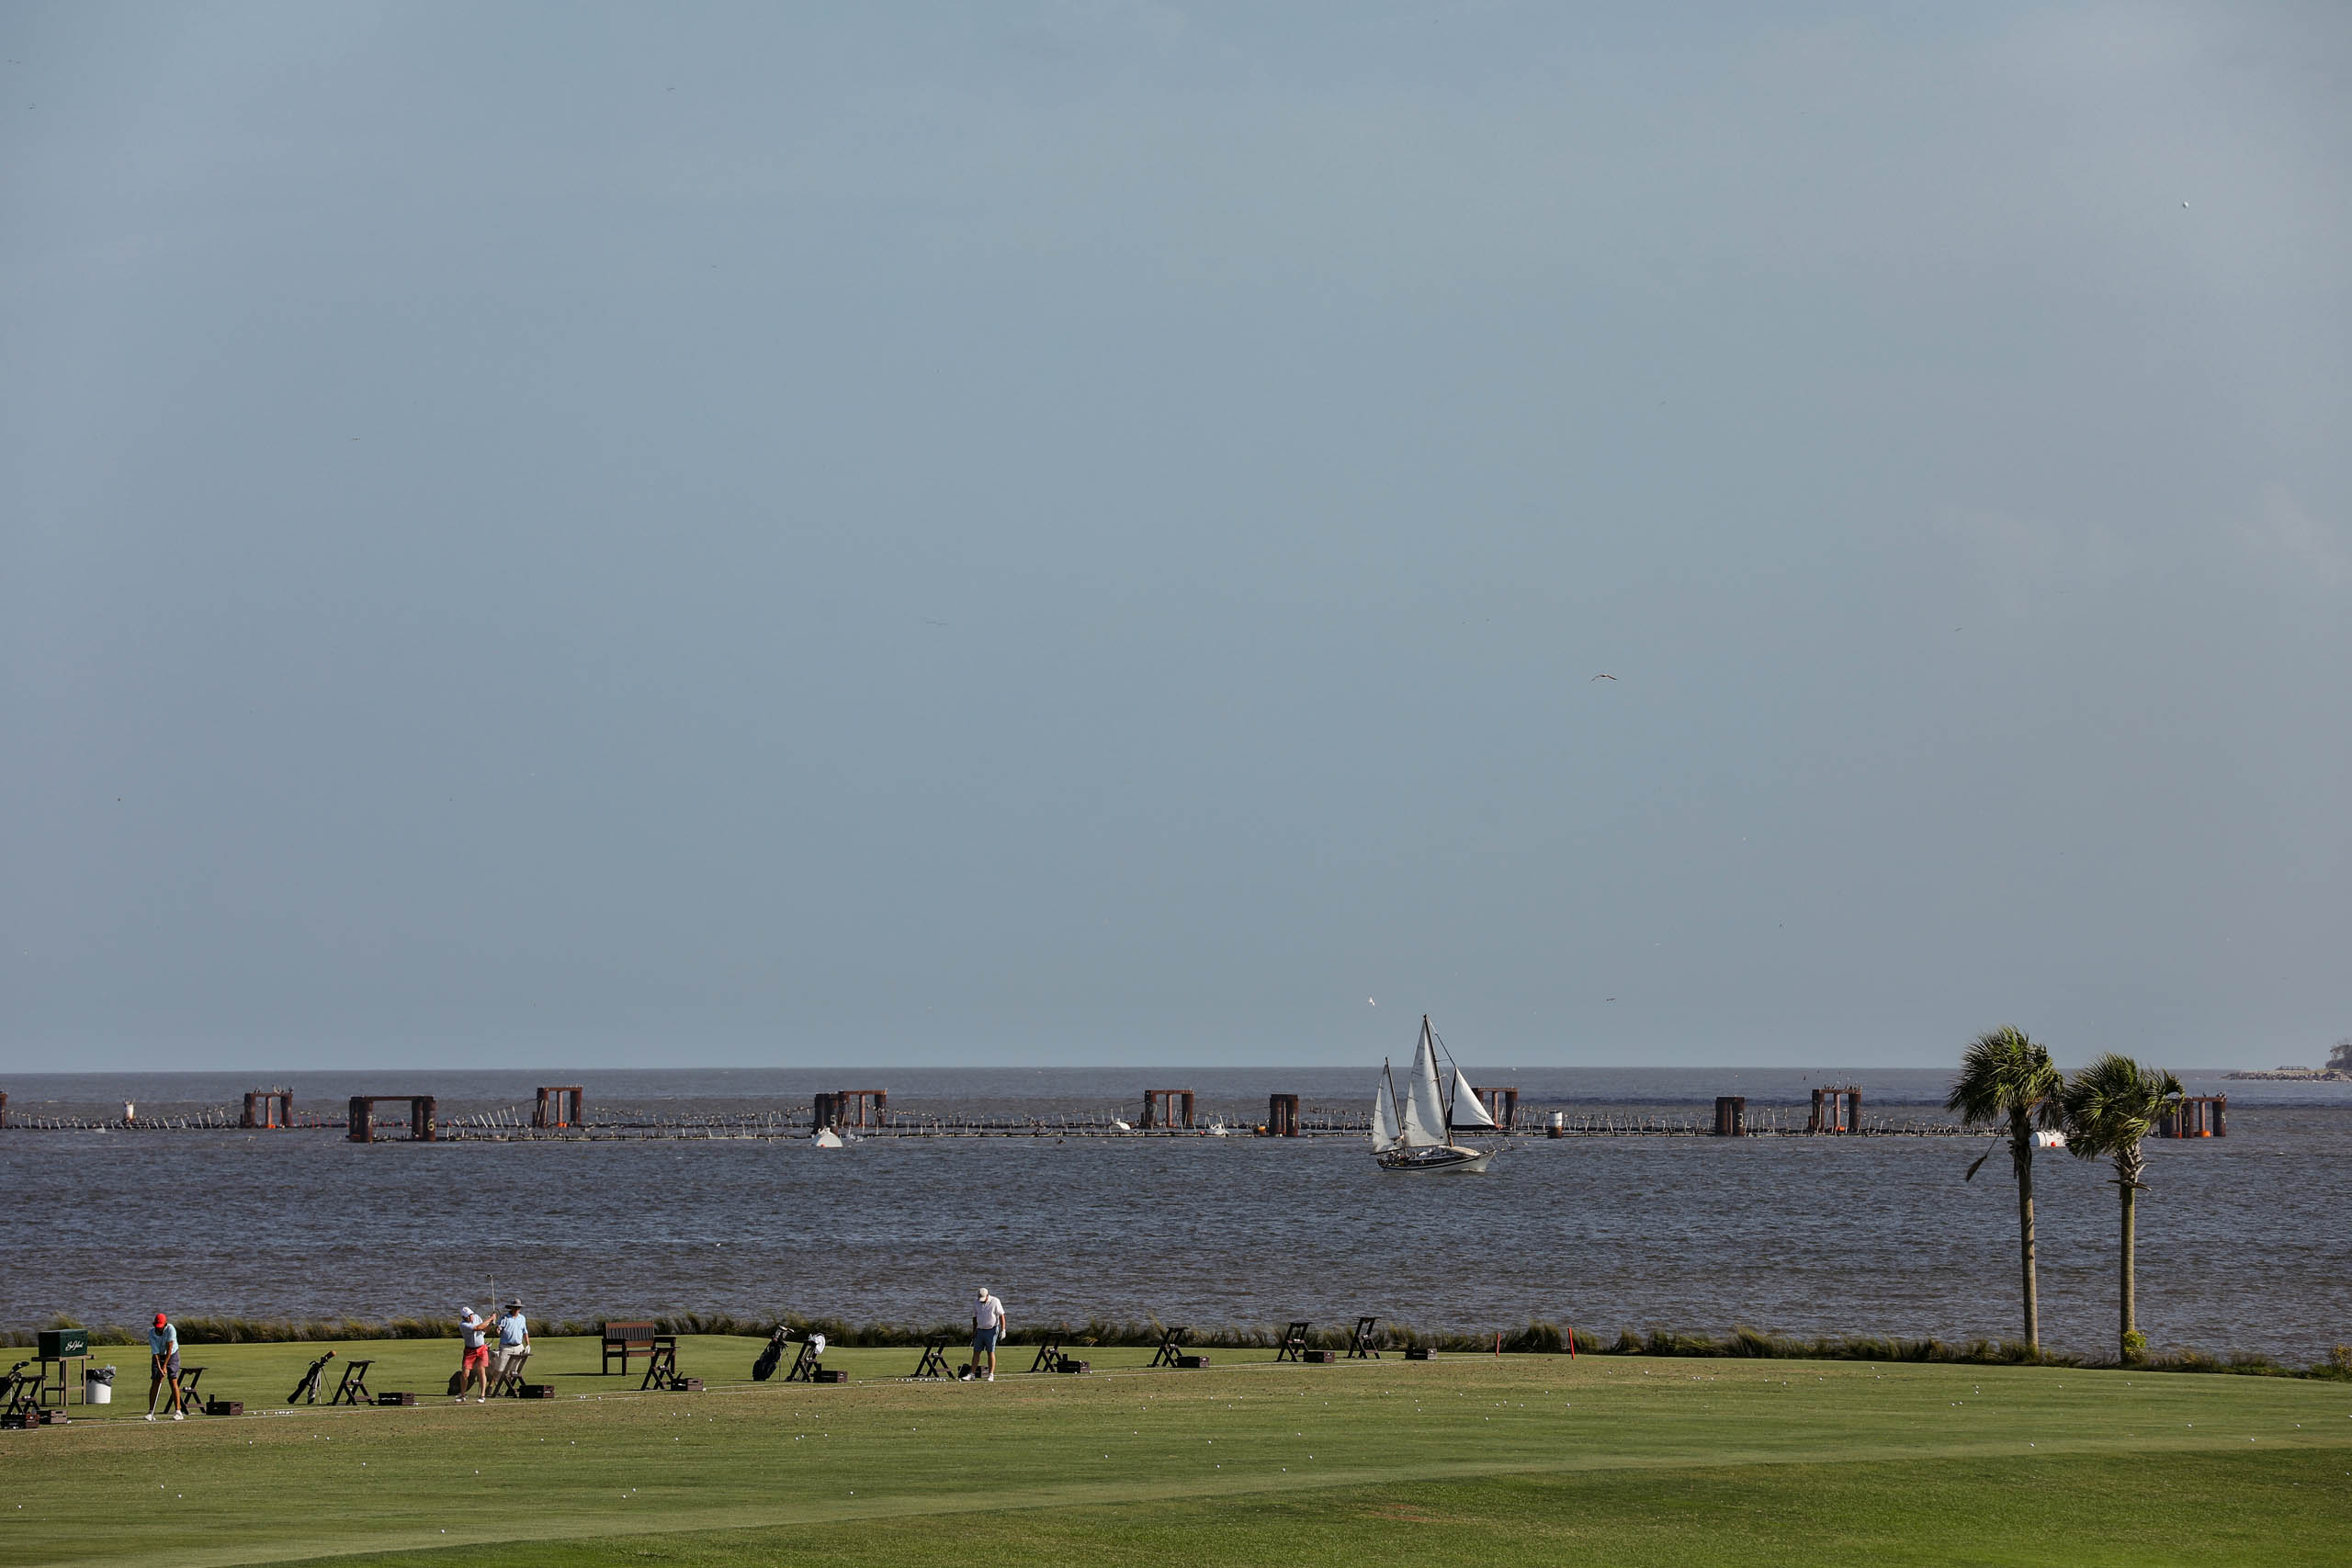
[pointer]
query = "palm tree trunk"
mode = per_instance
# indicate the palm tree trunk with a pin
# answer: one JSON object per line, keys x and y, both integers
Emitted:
{"x": 2130, "y": 1190}
{"x": 2021, "y": 1153}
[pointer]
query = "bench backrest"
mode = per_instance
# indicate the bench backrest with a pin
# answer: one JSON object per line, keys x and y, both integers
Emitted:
{"x": 629, "y": 1333}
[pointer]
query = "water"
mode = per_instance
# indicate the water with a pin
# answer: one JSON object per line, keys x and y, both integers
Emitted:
{"x": 2241, "y": 1239}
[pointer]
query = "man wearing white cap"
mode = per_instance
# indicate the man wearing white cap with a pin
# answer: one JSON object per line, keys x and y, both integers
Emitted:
{"x": 475, "y": 1334}
{"x": 988, "y": 1323}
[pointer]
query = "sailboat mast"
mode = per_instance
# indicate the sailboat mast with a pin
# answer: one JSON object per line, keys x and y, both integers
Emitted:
{"x": 1425, "y": 1060}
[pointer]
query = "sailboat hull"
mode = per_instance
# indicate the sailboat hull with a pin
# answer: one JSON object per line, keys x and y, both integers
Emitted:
{"x": 1446, "y": 1159}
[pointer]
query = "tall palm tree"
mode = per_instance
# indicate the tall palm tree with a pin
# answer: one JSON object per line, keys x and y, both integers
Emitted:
{"x": 2004, "y": 1077}
{"x": 2110, "y": 1106}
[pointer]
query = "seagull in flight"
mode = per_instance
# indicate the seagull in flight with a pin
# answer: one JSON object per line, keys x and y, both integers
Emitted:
{"x": 1601, "y": 677}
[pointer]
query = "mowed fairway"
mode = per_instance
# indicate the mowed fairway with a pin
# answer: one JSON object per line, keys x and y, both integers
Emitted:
{"x": 1466, "y": 1459}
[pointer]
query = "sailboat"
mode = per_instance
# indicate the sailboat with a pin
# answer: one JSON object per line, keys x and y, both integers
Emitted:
{"x": 1414, "y": 1131}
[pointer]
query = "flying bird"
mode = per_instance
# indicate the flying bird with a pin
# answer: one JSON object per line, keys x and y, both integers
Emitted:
{"x": 1601, "y": 677}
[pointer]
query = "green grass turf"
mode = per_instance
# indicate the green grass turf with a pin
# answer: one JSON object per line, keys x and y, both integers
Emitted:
{"x": 1462, "y": 1459}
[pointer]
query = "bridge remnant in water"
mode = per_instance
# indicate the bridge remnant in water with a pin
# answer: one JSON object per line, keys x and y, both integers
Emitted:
{"x": 849, "y": 1108}
{"x": 560, "y": 1105}
{"x": 2199, "y": 1116}
{"x": 1160, "y": 1108}
{"x": 1838, "y": 1110}
{"x": 422, "y": 1127}
{"x": 268, "y": 1109}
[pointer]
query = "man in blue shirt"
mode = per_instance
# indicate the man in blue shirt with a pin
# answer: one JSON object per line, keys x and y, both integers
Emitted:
{"x": 514, "y": 1343}
{"x": 164, "y": 1364}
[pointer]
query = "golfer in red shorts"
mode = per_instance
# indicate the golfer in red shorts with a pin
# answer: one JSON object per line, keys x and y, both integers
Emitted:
{"x": 476, "y": 1362}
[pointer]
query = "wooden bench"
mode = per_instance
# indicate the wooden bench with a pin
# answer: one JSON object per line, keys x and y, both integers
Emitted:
{"x": 627, "y": 1339}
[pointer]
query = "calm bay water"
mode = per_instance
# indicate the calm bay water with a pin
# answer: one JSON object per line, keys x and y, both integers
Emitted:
{"x": 2242, "y": 1245}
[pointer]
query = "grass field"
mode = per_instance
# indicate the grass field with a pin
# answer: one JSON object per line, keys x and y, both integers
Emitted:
{"x": 1462, "y": 1459}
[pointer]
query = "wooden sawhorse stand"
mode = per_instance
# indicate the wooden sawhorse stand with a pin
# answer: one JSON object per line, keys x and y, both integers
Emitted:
{"x": 353, "y": 1388}
{"x": 805, "y": 1366}
{"x": 510, "y": 1382}
{"x": 1363, "y": 1344}
{"x": 661, "y": 1366}
{"x": 20, "y": 1394}
{"x": 935, "y": 1358}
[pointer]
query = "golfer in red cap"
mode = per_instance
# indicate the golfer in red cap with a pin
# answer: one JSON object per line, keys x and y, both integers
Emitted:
{"x": 164, "y": 1364}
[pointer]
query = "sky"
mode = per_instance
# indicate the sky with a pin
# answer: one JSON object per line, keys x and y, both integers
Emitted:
{"x": 1049, "y": 532}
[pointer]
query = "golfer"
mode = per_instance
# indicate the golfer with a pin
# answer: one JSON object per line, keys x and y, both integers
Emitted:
{"x": 987, "y": 1324}
{"x": 514, "y": 1343}
{"x": 164, "y": 1364}
{"x": 476, "y": 1365}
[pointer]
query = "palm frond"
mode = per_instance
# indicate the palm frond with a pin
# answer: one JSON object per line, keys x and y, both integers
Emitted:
{"x": 2004, "y": 1076}
{"x": 2114, "y": 1102}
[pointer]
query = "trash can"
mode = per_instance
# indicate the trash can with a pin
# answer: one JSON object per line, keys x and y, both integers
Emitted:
{"x": 97, "y": 1385}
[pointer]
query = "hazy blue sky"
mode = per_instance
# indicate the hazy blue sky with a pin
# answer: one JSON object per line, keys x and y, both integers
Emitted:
{"x": 1061, "y": 533}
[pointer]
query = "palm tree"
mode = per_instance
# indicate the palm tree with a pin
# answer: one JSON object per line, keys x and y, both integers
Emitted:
{"x": 2004, "y": 1077}
{"x": 2110, "y": 1106}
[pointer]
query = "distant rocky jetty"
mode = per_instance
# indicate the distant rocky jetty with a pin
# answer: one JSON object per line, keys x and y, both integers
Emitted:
{"x": 2339, "y": 1069}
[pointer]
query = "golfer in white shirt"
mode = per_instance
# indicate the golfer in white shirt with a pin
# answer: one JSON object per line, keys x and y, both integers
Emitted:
{"x": 988, "y": 1323}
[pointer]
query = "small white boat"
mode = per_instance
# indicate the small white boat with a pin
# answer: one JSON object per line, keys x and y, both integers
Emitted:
{"x": 1414, "y": 1132}
{"x": 827, "y": 1139}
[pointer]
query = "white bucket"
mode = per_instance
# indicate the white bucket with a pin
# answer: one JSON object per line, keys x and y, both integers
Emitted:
{"x": 97, "y": 1392}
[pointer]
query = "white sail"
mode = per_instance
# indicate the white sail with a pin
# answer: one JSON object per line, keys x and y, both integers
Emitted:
{"x": 1383, "y": 1117}
{"x": 1424, "y": 1106}
{"x": 1469, "y": 1111}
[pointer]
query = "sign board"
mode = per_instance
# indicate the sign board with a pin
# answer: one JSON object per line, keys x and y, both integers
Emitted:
{"x": 57, "y": 1344}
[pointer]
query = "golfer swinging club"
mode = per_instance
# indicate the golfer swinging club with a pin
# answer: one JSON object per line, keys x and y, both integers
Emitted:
{"x": 164, "y": 1364}
{"x": 987, "y": 1322}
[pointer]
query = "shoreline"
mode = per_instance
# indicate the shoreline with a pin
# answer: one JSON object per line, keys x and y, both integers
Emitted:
{"x": 1536, "y": 1337}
